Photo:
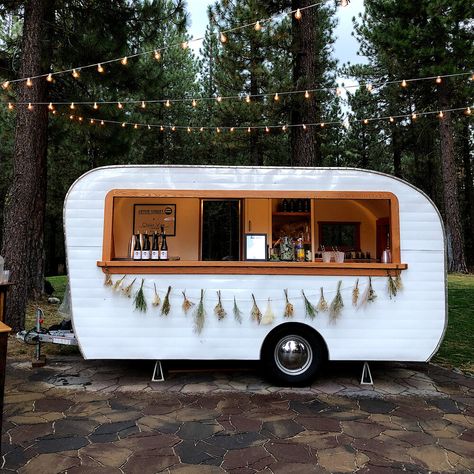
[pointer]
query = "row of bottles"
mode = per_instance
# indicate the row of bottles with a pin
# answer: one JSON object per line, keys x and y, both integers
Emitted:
{"x": 142, "y": 250}
{"x": 295, "y": 205}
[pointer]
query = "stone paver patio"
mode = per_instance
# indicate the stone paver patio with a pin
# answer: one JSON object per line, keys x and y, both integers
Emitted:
{"x": 79, "y": 416}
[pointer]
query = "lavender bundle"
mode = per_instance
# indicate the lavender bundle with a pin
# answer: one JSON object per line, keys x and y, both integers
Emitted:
{"x": 337, "y": 304}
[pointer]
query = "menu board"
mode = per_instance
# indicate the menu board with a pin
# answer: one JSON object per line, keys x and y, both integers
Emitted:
{"x": 150, "y": 217}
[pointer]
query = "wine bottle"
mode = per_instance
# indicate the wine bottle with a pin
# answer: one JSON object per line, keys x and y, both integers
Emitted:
{"x": 155, "y": 249}
{"x": 137, "y": 250}
{"x": 146, "y": 247}
{"x": 164, "y": 245}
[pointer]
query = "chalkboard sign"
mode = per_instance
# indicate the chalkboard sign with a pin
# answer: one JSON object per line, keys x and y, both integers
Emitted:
{"x": 150, "y": 217}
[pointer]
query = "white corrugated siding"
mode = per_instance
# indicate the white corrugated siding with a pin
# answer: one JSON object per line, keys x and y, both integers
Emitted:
{"x": 407, "y": 328}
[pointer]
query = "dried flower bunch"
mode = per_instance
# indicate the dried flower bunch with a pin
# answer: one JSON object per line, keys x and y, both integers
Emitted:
{"x": 255, "y": 314}
{"x": 310, "y": 310}
{"x": 156, "y": 297}
{"x": 199, "y": 315}
{"x": 127, "y": 291}
{"x": 355, "y": 293}
{"x": 391, "y": 286}
{"x": 219, "y": 310}
{"x": 108, "y": 280}
{"x": 139, "y": 300}
{"x": 187, "y": 305}
{"x": 289, "y": 309}
{"x": 166, "y": 307}
{"x": 237, "y": 312}
{"x": 322, "y": 303}
{"x": 269, "y": 315}
{"x": 336, "y": 304}
{"x": 118, "y": 283}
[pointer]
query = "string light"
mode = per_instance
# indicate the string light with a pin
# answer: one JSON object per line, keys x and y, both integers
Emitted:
{"x": 149, "y": 127}
{"x": 161, "y": 128}
{"x": 223, "y": 38}
{"x": 143, "y": 104}
{"x": 247, "y": 98}
{"x": 72, "y": 106}
{"x": 304, "y": 127}
{"x": 322, "y": 124}
{"x": 267, "y": 129}
{"x": 232, "y": 129}
{"x": 219, "y": 99}
{"x": 189, "y": 129}
{"x": 123, "y": 124}
{"x": 102, "y": 123}
{"x": 173, "y": 128}
{"x": 438, "y": 80}
{"x": 277, "y": 97}
{"x": 391, "y": 119}
{"x": 81, "y": 119}
{"x": 306, "y": 95}
{"x": 92, "y": 121}
{"x": 257, "y": 26}
{"x": 29, "y": 82}
{"x": 10, "y": 106}
{"x": 414, "y": 116}
{"x": 124, "y": 61}
{"x": 50, "y": 106}
{"x": 468, "y": 111}
{"x": 120, "y": 105}
{"x": 441, "y": 114}
{"x": 338, "y": 91}
{"x": 71, "y": 117}
{"x": 194, "y": 103}
{"x": 344, "y": 3}
{"x": 49, "y": 77}
{"x": 201, "y": 129}
{"x": 369, "y": 87}
{"x": 75, "y": 74}
{"x": 249, "y": 130}
{"x": 157, "y": 55}
{"x": 168, "y": 103}
{"x": 185, "y": 44}
{"x": 218, "y": 130}
{"x": 366, "y": 121}
{"x": 5, "y": 84}
{"x": 30, "y": 107}
{"x": 95, "y": 106}
{"x": 298, "y": 14}
{"x": 100, "y": 68}
{"x": 284, "y": 128}
{"x": 404, "y": 83}
{"x": 135, "y": 126}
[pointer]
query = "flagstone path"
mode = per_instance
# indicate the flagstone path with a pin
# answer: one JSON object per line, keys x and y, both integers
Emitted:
{"x": 77, "y": 416}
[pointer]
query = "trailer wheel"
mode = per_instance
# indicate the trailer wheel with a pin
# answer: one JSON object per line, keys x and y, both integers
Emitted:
{"x": 292, "y": 356}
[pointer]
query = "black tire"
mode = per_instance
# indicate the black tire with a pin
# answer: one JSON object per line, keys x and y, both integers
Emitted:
{"x": 298, "y": 368}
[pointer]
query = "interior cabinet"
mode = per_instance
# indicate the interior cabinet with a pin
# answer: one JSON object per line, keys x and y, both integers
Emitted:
{"x": 258, "y": 216}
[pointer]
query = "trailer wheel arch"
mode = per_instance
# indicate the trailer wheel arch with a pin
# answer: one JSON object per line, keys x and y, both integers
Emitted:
{"x": 316, "y": 353}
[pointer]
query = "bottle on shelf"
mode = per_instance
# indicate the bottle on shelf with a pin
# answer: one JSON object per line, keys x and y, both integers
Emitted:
{"x": 155, "y": 248}
{"x": 300, "y": 250}
{"x": 146, "y": 247}
{"x": 284, "y": 206}
{"x": 164, "y": 245}
{"x": 137, "y": 249}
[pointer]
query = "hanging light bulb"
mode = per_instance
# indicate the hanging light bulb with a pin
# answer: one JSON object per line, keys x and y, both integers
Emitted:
{"x": 472, "y": 76}
{"x": 161, "y": 128}
{"x": 50, "y": 106}
{"x": 438, "y": 80}
{"x": 344, "y": 3}
{"x": 124, "y": 61}
{"x": 124, "y": 124}
{"x": 284, "y": 128}
{"x": 189, "y": 129}
{"x": 194, "y": 103}
{"x": 267, "y": 129}
{"x": 322, "y": 124}
{"x": 72, "y": 106}
{"x": 5, "y": 84}
{"x": 414, "y": 116}
{"x": 119, "y": 105}
{"x": 157, "y": 55}
{"x": 135, "y": 126}
{"x": 249, "y": 130}
{"x": 54, "y": 112}
{"x": 185, "y": 44}
{"x": 298, "y": 14}
{"x": 71, "y": 117}
{"x": 366, "y": 121}
{"x": 173, "y": 128}
{"x": 218, "y": 130}
{"x": 92, "y": 121}
{"x": 143, "y": 104}
{"x": 404, "y": 83}
{"x": 29, "y": 82}
{"x": 10, "y": 106}
{"x": 391, "y": 119}
{"x": 369, "y": 87}
{"x": 257, "y": 26}
{"x": 219, "y": 99}
{"x": 49, "y": 77}
{"x": 276, "y": 98}
{"x": 95, "y": 106}
{"x": 75, "y": 74}
{"x": 232, "y": 129}
{"x": 149, "y": 128}
{"x": 306, "y": 95}
{"x": 168, "y": 103}
{"x": 248, "y": 99}
{"x": 100, "y": 68}
{"x": 304, "y": 127}
{"x": 201, "y": 129}
{"x": 468, "y": 111}
{"x": 441, "y": 114}
{"x": 81, "y": 119}
{"x": 102, "y": 122}
{"x": 223, "y": 38}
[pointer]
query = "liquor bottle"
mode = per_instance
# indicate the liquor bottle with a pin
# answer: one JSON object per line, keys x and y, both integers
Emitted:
{"x": 137, "y": 250}
{"x": 155, "y": 249}
{"x": 164, "y": 245}
{"x": 300, "y": 250}
{"x": 146, "y": 247}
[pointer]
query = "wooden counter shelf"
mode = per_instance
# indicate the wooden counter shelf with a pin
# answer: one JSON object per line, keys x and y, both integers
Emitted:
{"x": 249, "y": 268}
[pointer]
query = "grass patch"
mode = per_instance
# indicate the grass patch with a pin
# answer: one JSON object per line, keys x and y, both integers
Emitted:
{"x": 457, "y": 349}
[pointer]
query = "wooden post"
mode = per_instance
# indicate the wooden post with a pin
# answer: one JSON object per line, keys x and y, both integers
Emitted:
{"x": 3, "y": 292}
{"x": 4, "y": 330}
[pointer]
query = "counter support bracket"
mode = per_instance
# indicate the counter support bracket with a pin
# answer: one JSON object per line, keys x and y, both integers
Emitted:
{"x": 366, "y": 378}
{"x": 158, "y": 374}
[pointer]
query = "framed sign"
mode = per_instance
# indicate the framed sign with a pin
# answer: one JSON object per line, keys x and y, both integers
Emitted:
{"x": 150, "y": 217}
{"x": 255, "y": 247}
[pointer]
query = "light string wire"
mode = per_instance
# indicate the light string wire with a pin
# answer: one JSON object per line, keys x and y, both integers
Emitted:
{"x": 194, "y": 128}
{"x": 194, "y": 100}
{"x": 184, "y": 44}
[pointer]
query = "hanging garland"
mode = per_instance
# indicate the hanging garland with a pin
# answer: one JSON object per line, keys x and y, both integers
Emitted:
{"x": 335, "y": 308}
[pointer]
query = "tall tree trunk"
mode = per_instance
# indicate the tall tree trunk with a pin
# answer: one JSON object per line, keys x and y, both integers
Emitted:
{"x": 456, "y": 259}
{"x": 24, "y": 206}
{"x": 305, "y": 150}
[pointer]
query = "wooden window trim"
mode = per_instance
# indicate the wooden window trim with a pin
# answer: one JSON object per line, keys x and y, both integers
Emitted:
{"x": 108, "y": 264}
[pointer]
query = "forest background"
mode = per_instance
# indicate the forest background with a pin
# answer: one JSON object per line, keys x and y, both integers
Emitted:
{"x": 41, "y": 153}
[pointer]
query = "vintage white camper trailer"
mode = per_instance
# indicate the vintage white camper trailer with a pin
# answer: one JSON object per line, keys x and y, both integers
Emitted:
{"x": 229, "y": 233}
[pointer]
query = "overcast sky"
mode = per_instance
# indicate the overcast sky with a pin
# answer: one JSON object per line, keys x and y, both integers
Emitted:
{"x": 345, "y": 48}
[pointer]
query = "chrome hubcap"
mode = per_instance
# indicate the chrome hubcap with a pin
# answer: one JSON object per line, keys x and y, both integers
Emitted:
{"x": 293, "y": 355}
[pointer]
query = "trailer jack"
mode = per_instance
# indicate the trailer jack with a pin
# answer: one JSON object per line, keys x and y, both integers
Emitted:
{"x": 366, "y": 378}
{"x": 158, "y": 374}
